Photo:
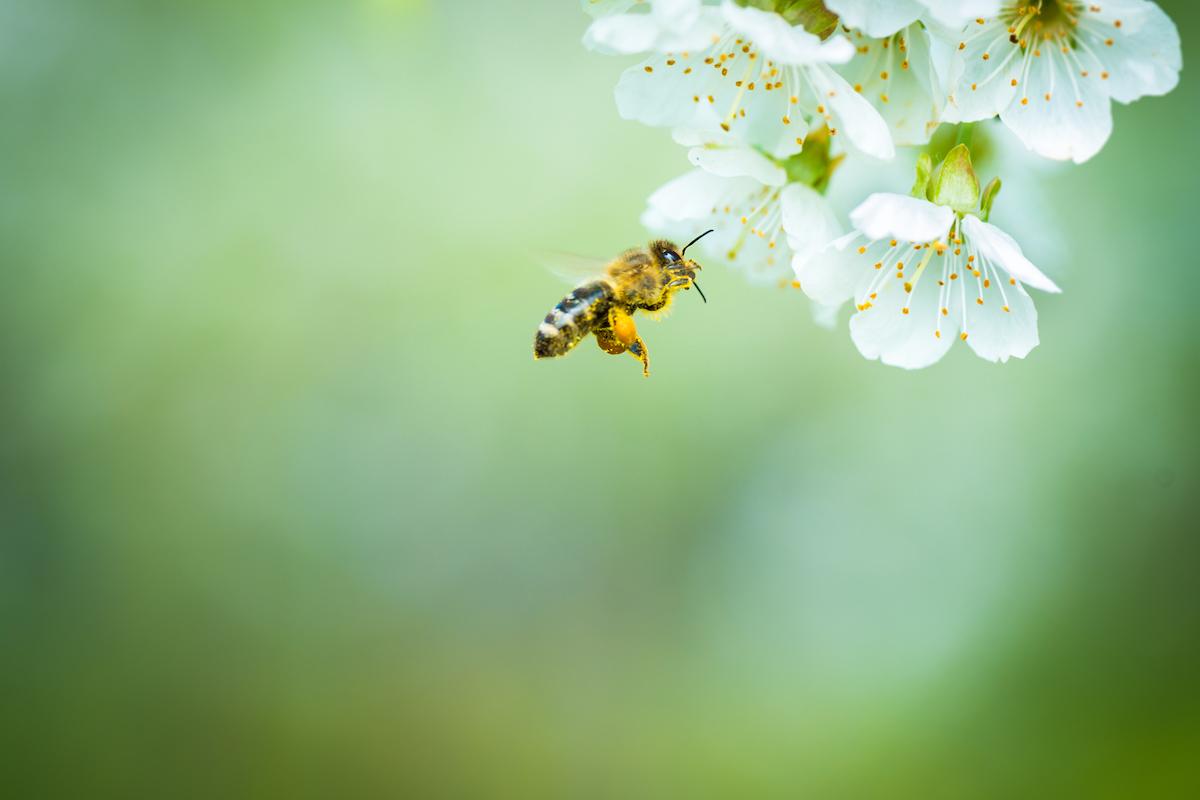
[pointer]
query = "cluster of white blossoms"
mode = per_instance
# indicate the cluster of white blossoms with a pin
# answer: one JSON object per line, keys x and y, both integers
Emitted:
{"x": 770, "y": 97}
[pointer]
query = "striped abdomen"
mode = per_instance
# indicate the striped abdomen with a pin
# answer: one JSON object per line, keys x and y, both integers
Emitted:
{"x": 572, "y": 319}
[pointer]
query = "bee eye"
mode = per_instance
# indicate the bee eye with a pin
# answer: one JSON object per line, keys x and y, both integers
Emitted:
{"x": 671, "y": 257}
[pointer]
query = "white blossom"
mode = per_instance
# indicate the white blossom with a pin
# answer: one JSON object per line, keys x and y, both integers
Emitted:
{"x": 757, "y": 77}
{"x": 1049, "y": 69}
{"x": 761, "y": 219}
{"x": 879, "y": 18}
{"x": 921, "y": 276}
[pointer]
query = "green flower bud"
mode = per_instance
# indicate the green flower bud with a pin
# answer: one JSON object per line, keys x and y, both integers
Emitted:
{"x": 924, "y": 168}
{"x": 953, "y": 183}
{"x": 989, "y": 196}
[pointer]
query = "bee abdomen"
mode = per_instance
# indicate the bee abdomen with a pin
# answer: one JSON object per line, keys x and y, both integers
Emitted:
{"x": 572, "y": 319}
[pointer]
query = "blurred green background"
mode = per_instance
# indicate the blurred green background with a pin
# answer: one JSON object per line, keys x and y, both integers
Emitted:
{"x": 288, "y": 510}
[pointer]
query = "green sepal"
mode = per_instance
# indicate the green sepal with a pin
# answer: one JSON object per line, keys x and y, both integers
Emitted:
{"x": 813, "y": 165}
{"x": 811, "y": 14}
{"x": 924, "y": 168}
{"x": 989, "y": 196}
{"x": 953, "y": 183}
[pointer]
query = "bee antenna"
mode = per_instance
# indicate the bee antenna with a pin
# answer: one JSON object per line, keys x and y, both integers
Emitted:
{"x": 693, "y": 241}
{"x": 702, "y": 297}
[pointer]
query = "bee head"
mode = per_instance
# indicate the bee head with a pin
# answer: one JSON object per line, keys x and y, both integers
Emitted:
{"x": 675, "y": 259}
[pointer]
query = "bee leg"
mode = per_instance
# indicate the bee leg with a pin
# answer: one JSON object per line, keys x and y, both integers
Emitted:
{"x": 626, "y": 333}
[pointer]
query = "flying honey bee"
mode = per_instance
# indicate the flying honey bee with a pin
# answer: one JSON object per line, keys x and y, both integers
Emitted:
{"x": 640, "y": 278}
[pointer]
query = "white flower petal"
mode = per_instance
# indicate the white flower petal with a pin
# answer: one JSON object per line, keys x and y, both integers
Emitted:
{"x": 1000, "y": 248}
{"x": 883, "y": 331}
{"x": 622, "y": 34}
{"x": 984, "y": 73}
{"x": 1144, "y": 57}
{"x": 829, "y": 275}
{"x": 662, "y": 98}
{"x": 784, "y": 43}
{"x": 852, "y": 115}
{"x": 996, "y": 334}
{"x": 957, "y": 13}
{"x": 906, "y": 90}
{"x": 808, "y": 220}
{"x": 876, "y": 18}
{"x": 694, "y": 194}
{"x": 732, "y": 162}
{"x": 886, "y": 215}
{"x": 826, "y": 316}
{"x": 1060, "y": 114}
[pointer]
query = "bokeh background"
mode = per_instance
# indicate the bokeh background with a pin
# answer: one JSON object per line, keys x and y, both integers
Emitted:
{"x": 288, "y": 510}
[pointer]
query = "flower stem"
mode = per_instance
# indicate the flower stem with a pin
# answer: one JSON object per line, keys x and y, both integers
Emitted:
{"x": 963, "y": 134}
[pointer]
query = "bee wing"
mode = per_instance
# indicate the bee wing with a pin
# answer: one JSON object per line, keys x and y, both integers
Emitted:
{"x": 573, "y": 269}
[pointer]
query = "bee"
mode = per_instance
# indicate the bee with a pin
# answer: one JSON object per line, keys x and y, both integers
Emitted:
{"x": 642, "y": 278}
